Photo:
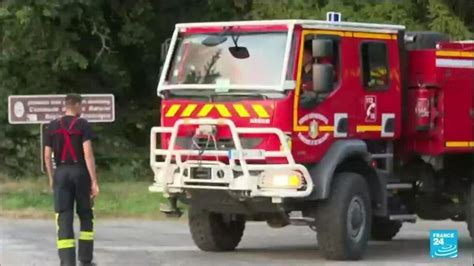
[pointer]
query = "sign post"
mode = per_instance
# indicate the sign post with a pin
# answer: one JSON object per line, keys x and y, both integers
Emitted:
{"x": 41, "y": 109}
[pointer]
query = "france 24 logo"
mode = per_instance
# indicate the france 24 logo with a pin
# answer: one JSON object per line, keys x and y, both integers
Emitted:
{"x": 444, "y": 243}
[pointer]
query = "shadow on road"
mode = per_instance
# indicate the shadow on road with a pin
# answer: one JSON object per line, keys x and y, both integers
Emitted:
{"x": 383, "y": 251}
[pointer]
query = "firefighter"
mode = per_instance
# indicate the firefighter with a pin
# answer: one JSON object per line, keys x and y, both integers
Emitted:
{"x": 309, "y": 98}
{"x": 73, "y": 181}
{"x": 307, "y": 70}
{"x": 378, "y": 76}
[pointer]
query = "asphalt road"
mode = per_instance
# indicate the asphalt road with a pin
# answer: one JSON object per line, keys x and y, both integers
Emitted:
{"x": 134, "y": 242}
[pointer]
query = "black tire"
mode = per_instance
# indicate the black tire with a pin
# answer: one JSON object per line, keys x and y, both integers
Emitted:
{"x": 349, "y": 191}
{"x": 470, "y": 211}
{"x": 215, "y": 231}
{"x": 384, "y": 229}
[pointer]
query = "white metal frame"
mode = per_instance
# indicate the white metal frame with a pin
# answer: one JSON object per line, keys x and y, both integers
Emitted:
{"x": 170, "y": 177}
{"x": 162, "y": 86}
{"x": 320, "y": 24}
{"x": 303, "y": 22}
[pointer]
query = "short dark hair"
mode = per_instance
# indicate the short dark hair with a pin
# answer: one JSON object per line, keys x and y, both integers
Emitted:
{"x": 73, "y": 98}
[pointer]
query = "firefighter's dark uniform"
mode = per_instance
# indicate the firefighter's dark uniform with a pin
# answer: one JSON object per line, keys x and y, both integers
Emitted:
{"x": 71, "y": 184}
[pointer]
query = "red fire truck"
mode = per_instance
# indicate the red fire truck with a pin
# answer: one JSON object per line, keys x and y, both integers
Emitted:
{"x": 348, "y": 128}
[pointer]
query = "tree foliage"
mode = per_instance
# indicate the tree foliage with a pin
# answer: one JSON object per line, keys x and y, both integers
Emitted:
{"x": 98, "y": 46}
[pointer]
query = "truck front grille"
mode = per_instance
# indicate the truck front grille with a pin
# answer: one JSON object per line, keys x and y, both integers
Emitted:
{"x": 200, "y": 173}
{"x": 222, "y": 143}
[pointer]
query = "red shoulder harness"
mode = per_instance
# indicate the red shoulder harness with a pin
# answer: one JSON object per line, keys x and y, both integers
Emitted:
{"x": 67, "y": 133}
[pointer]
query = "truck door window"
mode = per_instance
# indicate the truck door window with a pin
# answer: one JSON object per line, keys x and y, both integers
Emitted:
{"x": 374, "y": 65}
{"x": 334, "y": 60}
{"x": 308, "y": 60}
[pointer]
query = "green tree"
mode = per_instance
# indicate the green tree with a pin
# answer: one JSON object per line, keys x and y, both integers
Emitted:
{"x": 443, "y": 20}
{"x": 113, "y": 46}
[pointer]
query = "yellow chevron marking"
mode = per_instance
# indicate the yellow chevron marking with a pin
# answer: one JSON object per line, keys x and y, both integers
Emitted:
{"x": 223, "y": 110}
{"x": 189, "y": 110}
{"x": 261, "y": 112}
{"x": 205, "y": 110}
{"x": 241, "y": 110}
{"x": 368, "y": 128}
{"x": 173, "y": 110}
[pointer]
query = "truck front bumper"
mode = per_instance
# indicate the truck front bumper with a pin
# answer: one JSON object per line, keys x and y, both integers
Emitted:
{"x": 173, "y": 175}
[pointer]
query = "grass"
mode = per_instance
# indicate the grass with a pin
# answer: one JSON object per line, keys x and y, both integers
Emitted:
{"x": 32, "y": 199}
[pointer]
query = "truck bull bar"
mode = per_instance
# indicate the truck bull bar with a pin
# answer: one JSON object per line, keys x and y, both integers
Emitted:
{"x": 173, "y": 174}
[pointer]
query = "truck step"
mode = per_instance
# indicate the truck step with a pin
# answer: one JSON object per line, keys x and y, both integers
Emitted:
{"x": 399, "y": 186}
{"x": 403, "y": 217}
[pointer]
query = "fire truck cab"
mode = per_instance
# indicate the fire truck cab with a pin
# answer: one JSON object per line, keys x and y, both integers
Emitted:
{"x": 349, "y": 128}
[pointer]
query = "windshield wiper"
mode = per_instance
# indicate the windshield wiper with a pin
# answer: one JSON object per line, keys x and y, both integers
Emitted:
{"x": 240, "y": 94}
{"x": 188, "y": 95}
{"x": 239, "y": 52}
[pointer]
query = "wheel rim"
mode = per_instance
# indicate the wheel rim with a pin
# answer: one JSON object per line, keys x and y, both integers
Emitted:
{"x": 356, "y": 218}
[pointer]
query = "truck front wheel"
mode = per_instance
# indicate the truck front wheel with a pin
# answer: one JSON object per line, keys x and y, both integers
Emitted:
{"x": 343, "y": 221}
{"x": 215, "y": 231}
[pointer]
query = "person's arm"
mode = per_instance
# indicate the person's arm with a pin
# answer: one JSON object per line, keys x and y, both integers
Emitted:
{"x": 49, "y": 164}
{"x": 90, "y": 163}
{"x": 47, "y": 153}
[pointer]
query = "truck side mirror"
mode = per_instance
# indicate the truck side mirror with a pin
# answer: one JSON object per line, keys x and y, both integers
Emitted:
{"x": 323, "y": 78}
{"x": 165, "y": 46}
{"x": 322, "y": 48}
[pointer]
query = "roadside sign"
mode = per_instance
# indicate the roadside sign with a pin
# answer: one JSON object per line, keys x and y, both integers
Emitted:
{"x": 40, "y": 109}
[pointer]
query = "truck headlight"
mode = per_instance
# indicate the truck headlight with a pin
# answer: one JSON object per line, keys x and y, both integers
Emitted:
{"x": 283, "y": 180}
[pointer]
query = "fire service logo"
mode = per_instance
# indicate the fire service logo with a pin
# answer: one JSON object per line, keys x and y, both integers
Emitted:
{"x": 370, "y": 108}
{"x": 313, "y": 137}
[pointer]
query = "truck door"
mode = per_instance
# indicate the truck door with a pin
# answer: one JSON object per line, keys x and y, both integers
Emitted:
{"x": 379, "y": 106}
{"x": 315, "y": 108}
{"x": 363, "y": 100}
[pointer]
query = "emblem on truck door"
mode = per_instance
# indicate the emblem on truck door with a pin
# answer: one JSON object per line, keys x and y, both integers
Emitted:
{"x": 317, "y": 123}
{"x": 313, "y": 129}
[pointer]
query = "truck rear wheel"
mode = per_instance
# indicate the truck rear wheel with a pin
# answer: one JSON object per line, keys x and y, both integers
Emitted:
{"x": 215, "y": 231}
{"x": 343, "y": 221}
{"x": 384, "y": 229}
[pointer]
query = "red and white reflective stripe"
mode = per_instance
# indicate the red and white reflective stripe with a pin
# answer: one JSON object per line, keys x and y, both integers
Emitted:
{"x": 455, "y": 63}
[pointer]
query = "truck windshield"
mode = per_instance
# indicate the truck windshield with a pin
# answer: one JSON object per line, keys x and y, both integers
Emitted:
{"x": 197, "y": 61}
